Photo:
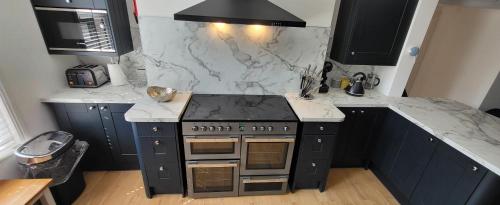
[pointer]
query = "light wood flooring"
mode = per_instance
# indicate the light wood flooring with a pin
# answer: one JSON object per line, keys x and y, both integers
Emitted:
{"x": 345, "y": 186}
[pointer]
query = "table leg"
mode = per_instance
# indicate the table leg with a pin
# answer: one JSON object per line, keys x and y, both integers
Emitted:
{"x": 47, "y": 198}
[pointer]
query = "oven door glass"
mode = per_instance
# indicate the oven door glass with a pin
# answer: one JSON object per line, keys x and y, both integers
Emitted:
{"x": 211, "y": 147}
{"x": 267, "y": 154}
{"x": 212, "y": 178}
{"x": 75, "y": 29}
{"x": 259, "y": 185}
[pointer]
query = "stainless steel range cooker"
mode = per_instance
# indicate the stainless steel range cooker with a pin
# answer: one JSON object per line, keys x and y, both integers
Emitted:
{"x": 238, "y": 145}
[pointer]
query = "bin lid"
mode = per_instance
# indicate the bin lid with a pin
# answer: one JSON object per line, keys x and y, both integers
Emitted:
{"x": 44, "y": 147}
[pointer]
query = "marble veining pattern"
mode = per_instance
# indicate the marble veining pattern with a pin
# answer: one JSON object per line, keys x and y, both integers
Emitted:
{"x": 233, "y": 59}
{"x": 148, "y": 110}
{"x": 469, "y": 130}
{"x": 104, "y": 94}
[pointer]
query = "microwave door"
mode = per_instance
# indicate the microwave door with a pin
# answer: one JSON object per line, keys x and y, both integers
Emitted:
{"x": 69, "y": 29}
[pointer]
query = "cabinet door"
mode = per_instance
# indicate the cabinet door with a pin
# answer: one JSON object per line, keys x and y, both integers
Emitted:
{"x": 317, "y": 146}
{"x": 412, "y": 158}
{"x": 355, "y": 136}
{"x": 389, "y": 142}
{"x": 311, "y": 173}
{"x": 449, "y": 179}
{"x": 86, "y": 124}
{"x": 372, "y": 32}
{"x": 120, "y": 135}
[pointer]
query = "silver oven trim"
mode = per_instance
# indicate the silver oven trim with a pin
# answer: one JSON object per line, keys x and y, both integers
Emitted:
{"x": 263, "y": 179}
{"x": 83, "y": 49}
{"x": 190, "y": 165}
{"x": 266, "y": 138}
{"x": 71, "y": 10}
{"x": 236, "y": 139}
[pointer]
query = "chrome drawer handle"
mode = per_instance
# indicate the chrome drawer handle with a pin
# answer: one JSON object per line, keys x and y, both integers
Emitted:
{"x": 157, "y": 142}
{"x": 319, "y": 140}
{"x": 362, "y": 112}
{"x": 321, "y": 128}
{"x": 474, "y": 168}
{"x": 161, "y": 169}
{"x": 155, "y": 129}
{"x": 313, "y": 164}
{"x": 91, "y": 107}
{"x": 69, "y": 1}
{"x": 431, "y": 139}
{"x": 103, "y": 108}
{"x": 353, "y": 112}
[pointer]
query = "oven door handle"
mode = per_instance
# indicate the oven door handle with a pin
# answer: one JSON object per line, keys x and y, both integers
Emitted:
{"x": 212, "y": 165}
{"x": 202, "y": 140}
{"x": 289, "y": 140}
{"x": 254, "y": 181}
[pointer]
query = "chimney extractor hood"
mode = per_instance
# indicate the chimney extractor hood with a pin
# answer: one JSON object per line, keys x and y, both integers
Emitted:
{"x": 253, "y": 12}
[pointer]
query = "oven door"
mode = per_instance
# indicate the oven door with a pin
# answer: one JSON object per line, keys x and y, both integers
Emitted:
{"x": 212, "y": 147}
{"x": 216, "y": 178}
{"x": 266, "y": 155}
{"x": 66, "y": 29}
{"x": 263, "y": 185}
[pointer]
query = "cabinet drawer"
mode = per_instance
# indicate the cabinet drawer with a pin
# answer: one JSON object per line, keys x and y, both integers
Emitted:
{"x": 163, "y": 177}
{"x": 320, "y": 128}
{"x": 156, "y": 129}
{"x": 311, "y": 172}
{"x": 87, "y": 4}
{"x": 317, "y": 146}
{"x": 156, "y": 147}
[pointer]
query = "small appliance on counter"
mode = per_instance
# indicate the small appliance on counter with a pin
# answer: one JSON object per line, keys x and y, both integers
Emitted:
{"x": 86, "y": 76}
{"x": 356, "y": 88}
{"x": 372, "y": 81}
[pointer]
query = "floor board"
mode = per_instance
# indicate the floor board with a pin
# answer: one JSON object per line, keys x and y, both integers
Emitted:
{"x": 345, "y": 186}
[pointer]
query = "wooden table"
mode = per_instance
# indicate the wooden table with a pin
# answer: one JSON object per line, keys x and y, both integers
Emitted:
{"x": 25, "y": 191}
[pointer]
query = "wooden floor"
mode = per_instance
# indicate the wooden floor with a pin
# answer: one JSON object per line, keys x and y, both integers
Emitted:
{"x": 345, "y": 186}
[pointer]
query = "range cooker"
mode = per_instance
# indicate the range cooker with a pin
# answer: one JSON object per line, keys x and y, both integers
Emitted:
{"x": 238, "y": 144}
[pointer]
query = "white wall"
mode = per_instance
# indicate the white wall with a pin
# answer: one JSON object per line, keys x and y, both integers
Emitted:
{"x": 461, "y": 59}
{"x": 27, "y": 72}
{"x": 315, "y": 13}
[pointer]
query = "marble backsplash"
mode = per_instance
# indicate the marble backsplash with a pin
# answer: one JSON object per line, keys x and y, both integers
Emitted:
{"x": 229, "y": 59}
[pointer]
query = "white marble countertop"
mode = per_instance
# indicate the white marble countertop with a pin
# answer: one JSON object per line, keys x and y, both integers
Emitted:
{"x": 148, "y": 110}
{"x": 469, "y": 130}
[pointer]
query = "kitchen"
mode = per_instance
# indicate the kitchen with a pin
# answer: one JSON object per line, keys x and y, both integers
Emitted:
{"x": 225, "y": 74}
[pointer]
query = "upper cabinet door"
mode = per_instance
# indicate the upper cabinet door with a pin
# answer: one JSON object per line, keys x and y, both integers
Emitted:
{"x": 371, "y": 32}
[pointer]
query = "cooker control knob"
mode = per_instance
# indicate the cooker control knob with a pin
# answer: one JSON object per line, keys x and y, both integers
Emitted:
{"x": 262, "y": 128}
{"x": 270, "y": 128}
{"x": 211, "y": 128}
{"x": 285, "y": 128}
{"x": 254, "y": 128}
{"x": 195, "y": 128}
{"x": 203, "y": 128}
{"x": 228, "y": 128}
{"x": 220, "y": 129}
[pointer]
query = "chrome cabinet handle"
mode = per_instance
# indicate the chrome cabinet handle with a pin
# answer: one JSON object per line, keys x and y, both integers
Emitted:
{"x": 321, "y": 128}
{"x": 362, "y": 112}
{"x": 474, "y": 168}
{"x": 157, "y": 142}
{"x": 313, "y": 164}
{"x": 319, "y": 140}
{"x": 431, "y": 139}
{"x": 91, "y": 107}
{"x": 353, "y": 112}
{"x": 155, "y": 129}
{"x": 161, "y": 169}
{"x": 69, "y": 1}
{"x": 103, "y": 108}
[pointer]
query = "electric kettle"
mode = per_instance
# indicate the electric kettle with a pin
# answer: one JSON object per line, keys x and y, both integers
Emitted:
{"x": 356, "y": 88}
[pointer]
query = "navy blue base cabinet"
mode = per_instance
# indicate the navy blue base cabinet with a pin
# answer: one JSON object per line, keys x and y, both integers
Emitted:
{"x": 104, "y": 127}
{"x": 159, "y": 157}
{"x": 314, "y": 156}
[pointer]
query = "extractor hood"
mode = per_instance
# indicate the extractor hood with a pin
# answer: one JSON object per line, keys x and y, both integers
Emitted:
{"x": 254, "y": 12}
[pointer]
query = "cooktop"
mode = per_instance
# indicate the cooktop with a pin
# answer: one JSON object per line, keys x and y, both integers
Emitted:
{"x": 215, "y": 107}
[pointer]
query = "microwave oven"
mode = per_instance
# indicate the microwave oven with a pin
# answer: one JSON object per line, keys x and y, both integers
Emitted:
{"x": 84, "y": 30}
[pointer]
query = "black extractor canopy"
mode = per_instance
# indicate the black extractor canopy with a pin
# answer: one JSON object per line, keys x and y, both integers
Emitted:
{"x": 253, "y": 12}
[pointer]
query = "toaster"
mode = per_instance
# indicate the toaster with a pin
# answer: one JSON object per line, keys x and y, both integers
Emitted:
{"x": 86, "y": 76}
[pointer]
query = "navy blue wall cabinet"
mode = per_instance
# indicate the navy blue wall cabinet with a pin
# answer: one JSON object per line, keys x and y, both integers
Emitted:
{"x": 355, "y": 137}
{"x": 159, "y": 158}
{"x": 103, "y": 126}
{"x": 314, "y": 155}
{"x": 371, "y": 32}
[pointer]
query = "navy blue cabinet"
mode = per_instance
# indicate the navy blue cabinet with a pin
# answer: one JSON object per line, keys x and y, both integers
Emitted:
{"x": 103, "y": 126}
{"x": 314, "y": 155}
{"x": 449, "y": 179}
{"x": 159, "y": 157}
{"x": 356, "y": 135}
